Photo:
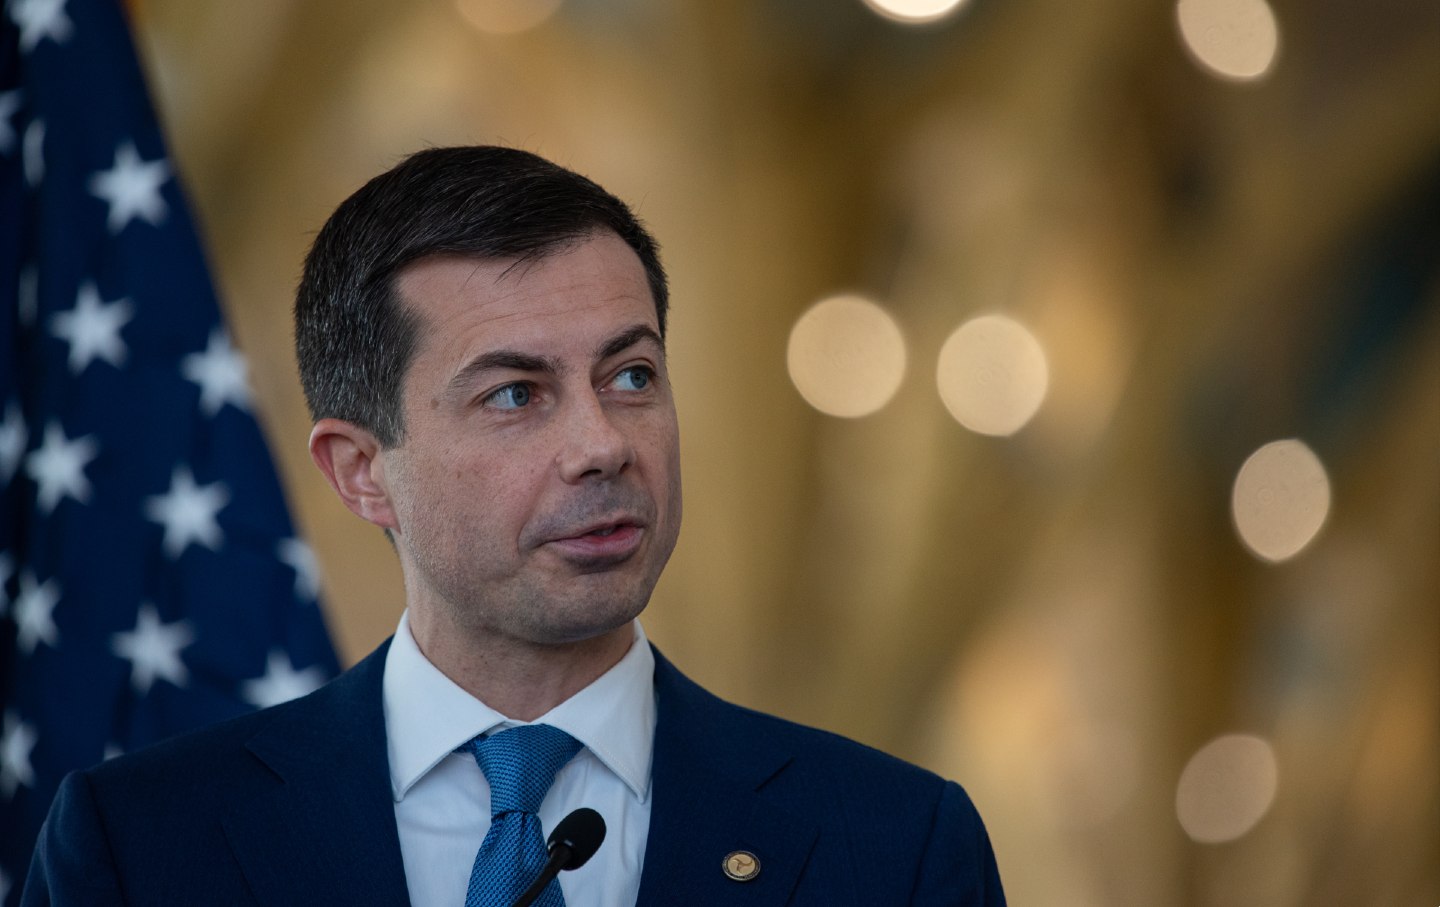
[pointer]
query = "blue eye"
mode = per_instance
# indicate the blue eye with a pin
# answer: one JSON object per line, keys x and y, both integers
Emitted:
{"x": 634, "y": 378}
{"x": 511, "y": 396}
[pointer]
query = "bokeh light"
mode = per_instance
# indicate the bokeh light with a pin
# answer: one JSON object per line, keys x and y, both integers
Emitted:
{"x": 1281, "y": 499}
{"x": 1226, "y": 788}
{"x": 992, "y": 375}
{"x": 1233, "y": 39}
{"x": 846, "y": 356}
{"x": 506, "y": 17}
{"x": 914, "y": 12}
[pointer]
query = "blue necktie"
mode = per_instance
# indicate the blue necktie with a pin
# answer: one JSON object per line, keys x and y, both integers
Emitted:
{"x": 520, "y": 765}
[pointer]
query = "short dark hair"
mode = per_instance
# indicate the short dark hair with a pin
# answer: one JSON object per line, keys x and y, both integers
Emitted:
{"x": 354, "y": 339}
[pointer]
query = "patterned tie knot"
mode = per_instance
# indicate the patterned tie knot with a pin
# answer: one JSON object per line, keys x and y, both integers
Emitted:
{"x": 521, "y": 764}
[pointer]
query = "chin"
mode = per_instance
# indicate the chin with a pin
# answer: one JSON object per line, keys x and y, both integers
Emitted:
{"x": 579, "y": 619}
{"x": 569, "y": 633}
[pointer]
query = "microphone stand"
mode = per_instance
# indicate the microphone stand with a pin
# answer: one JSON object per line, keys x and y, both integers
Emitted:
{"x": 559, "y": 856}
{"x": 572, "y": 843}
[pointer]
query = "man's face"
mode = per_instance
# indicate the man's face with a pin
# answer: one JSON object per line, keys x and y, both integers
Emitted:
{"x": 536, "y": 493}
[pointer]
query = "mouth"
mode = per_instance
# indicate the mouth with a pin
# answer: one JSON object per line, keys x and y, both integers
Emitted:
{"x": 601, "y": 545}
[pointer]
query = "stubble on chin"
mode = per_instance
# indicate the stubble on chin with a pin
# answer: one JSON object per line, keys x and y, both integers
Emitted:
{"x": 545, "y": 618}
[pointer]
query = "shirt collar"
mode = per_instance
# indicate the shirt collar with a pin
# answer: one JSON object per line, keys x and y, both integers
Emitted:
{"x": 427, "y": 715}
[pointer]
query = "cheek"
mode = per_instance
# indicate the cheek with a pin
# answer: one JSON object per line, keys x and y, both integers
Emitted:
{"x": 676, "y": 495}
{"x": 662, "y": 452}
{"x": 446, "y": 487}
{"x": 500, "y": 490}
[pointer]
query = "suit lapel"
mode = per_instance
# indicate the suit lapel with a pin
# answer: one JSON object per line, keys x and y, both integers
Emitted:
{"x": 706, "y": 777}
{"x": 324, "y": 832}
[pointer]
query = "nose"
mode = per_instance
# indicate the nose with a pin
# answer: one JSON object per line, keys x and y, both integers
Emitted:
{"x": 593, "y": 447}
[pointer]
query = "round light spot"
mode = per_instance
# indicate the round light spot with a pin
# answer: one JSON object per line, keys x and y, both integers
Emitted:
{"x": 1233, "y": 39}
{"x": 846, "y": 356}
{"x": 1226, "y": 788}
{"x": 1281, "y": 499}
{"x": 914, "y": 12}
{"x": 992, "y": 375}
{"x": 506, "y": 17}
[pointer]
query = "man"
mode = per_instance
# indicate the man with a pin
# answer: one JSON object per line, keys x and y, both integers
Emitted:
{"x": 481, "y": 339}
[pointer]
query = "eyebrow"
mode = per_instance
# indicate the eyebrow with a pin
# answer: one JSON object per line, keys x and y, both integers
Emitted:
{"x": 628, "y": 338}
{"x": 502, "y": 359}
{"x": 525, "y": 362}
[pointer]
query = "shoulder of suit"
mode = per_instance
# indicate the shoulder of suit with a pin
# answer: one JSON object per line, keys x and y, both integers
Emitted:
{"x": 815, "y": 746}
{"x": 214, "y": 745}
{"x": 829, "y": 745}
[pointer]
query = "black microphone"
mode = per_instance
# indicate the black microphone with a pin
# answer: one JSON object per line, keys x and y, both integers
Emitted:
{"x": 573, "y": 841}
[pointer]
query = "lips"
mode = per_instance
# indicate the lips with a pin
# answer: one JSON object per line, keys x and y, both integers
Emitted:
{"x": 600, "y": 544}
{"x": 603, "y": 531}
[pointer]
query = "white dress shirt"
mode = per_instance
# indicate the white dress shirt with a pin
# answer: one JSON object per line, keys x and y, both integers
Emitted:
{"x": 442, "y": 800}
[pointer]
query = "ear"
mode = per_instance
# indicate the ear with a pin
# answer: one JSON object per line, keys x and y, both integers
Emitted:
{"x": 351, "y": 459}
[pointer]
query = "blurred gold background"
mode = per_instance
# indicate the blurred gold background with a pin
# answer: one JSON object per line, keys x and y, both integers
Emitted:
{"x": 1215, "y": 242}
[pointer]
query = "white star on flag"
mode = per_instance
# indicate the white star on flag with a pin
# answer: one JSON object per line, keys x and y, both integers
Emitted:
{"x": 189, "y": 512}
{"x": 40, "y": 19}
{"x": 4, "y": 886}
{"x": 13, "y": 438}
{"x": 16, "y": 742}
{"x": 301, "y": 558}
{"x": 220, "y": 371}
{"x": 281, "y": 682}
{"x": 153, "y": 649}
{"x": 32, "y": 153}
{"x": 132, "y": 188}
{"x": 9, "y": 104}
{"x": 35, "y": 613}
{"x": 92, "y": 328}
{"x": 58, "y": 467}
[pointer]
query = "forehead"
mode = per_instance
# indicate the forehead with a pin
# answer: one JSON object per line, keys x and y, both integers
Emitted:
{"x": 569, "y": 273}
{"x": 574, "y": 292}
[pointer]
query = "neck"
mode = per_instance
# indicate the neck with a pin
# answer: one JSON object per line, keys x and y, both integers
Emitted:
{"x": 519, "y": 679}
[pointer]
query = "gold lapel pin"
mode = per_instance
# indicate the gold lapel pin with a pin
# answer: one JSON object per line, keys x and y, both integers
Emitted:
{"x": 741, "y": 865}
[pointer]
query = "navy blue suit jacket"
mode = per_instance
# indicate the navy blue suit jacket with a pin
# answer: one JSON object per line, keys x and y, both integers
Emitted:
{"x": 292, "y": 805}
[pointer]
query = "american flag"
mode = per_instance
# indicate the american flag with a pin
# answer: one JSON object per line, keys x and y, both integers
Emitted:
{"x": 152, "y": 581}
